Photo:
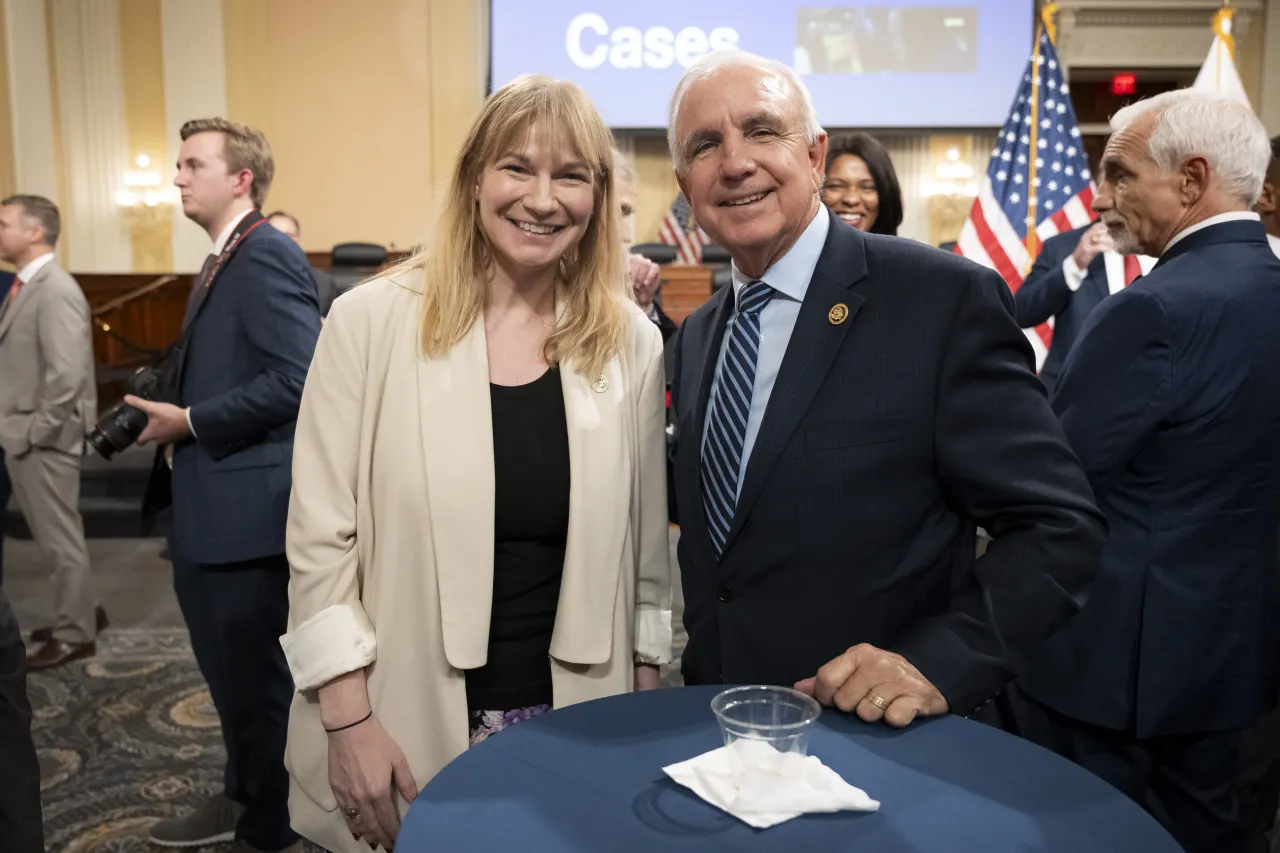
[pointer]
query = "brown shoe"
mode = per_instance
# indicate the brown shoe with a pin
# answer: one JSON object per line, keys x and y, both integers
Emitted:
{"x": 56, "y": 652}
{"x": 44, "y": 635}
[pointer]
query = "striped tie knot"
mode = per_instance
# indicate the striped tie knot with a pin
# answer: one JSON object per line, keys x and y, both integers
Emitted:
{"x": 753, "y": 297}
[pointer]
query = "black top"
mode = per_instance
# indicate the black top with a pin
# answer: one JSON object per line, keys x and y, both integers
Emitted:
{"x": 531, "y": 521}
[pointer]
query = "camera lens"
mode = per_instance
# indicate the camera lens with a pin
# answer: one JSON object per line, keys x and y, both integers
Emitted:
{"x": 117, "y": 430}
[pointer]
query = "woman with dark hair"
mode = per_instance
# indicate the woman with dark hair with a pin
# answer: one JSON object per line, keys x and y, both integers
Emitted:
{"x": 862, "y": 187}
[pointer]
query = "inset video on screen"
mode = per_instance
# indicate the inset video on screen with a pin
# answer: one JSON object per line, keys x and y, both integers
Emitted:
{"x": 886, "y": 40}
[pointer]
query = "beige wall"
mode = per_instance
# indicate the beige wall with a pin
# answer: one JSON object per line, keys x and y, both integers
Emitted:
{"x": 364, "y": 110}
{"x": 142, "y": 56}
{"x": 657, "y": 189}
{"x": 7, "y": 181}
{"x": 1268, "y": 103}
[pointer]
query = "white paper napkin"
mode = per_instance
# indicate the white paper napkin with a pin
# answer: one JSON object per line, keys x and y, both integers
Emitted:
{"x": 762, "y": 787}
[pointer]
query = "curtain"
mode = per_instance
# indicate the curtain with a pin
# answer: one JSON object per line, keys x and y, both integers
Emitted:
{"x": 916, "y": 164}
{"x": 95, "y": 140}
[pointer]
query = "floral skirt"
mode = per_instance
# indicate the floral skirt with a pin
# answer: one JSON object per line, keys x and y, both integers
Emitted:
{"x": 486, "y": 723}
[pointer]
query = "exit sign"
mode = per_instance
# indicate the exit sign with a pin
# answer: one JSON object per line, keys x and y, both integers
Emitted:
{"x": 1124, "y": 84}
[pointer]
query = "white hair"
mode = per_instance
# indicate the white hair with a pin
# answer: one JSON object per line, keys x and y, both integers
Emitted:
{"x": 1222, "y": 130}
{"x": 707, "y": 66}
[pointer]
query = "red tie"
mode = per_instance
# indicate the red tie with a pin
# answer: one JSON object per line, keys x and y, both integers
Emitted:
{"x": 1132, "y": 269}
{"x": 13, "y": 290}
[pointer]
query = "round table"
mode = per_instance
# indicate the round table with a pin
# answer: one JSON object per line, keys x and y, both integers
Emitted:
{"x": 588, "y": 778}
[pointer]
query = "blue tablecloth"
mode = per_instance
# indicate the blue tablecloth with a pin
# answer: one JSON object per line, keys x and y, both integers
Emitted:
{"x": 588, "y": 779}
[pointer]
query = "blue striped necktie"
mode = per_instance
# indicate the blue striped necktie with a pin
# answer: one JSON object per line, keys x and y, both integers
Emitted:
{"x": 727, "y": 414}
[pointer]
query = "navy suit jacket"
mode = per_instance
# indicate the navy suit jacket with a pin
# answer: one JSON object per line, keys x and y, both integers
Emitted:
{"x": 1044, "y": 295}
{"x": 887, "y": 439}
{"x": 1179, "y": 634}
{"x": 247, "y": 357}
{"x": 20, "y": 822}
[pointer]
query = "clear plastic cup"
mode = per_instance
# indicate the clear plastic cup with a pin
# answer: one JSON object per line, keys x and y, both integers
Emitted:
{"x": 779, "y": 716}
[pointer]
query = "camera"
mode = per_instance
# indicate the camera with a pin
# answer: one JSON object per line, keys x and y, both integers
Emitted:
{"x": 120, "y": 426}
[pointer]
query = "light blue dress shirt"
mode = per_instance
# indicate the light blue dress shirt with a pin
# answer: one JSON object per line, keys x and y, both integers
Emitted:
{"x": 789, "y": 277}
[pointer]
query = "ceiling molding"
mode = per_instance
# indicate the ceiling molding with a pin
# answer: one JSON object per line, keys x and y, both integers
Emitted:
{"x": 1141, "y": 33}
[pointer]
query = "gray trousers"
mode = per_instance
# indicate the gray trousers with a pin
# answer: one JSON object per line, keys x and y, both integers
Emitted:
{"x": 46, "y": 484}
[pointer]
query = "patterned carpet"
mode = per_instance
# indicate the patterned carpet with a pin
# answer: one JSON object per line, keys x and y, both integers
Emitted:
{"x": 128, "y": 738}
{"x": 125, "y": 739}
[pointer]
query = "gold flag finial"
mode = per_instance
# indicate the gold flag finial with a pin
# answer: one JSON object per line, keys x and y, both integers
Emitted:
{"x": 1048, "y": 16}
{"x": 1222, "y": 28}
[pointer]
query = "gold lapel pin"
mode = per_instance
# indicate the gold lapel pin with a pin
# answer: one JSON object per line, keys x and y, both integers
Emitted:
{"x": 600, "y": 384}
{"x": 838, "y": 313}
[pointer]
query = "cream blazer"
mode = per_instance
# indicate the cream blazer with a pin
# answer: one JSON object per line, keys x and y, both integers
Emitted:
{"x": 390, "y": 536}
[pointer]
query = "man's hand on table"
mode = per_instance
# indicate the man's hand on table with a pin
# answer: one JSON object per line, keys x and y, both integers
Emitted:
{"x": 879, "y": 685}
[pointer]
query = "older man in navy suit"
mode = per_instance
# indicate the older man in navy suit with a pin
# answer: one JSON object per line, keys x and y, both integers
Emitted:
{"x": 250, "y": 332}
{"x": 1171, "y": 400}
{"x": 837, "y": 446}
{"x": 1074, "y": 272}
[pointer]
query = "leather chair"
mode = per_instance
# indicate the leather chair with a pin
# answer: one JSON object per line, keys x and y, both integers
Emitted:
{"x": 659, "y": 253}
{"x": 350, "y": 264}
{"x": 721, "y": 277}
{"x": 715, "y": 254}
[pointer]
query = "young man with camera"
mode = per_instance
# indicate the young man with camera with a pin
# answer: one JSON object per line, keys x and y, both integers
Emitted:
{"x": 47, "y": 402}
{"x": 247, "y": 342}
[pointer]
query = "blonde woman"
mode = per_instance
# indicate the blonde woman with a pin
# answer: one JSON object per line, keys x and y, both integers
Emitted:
{"x": 478, "y": 528}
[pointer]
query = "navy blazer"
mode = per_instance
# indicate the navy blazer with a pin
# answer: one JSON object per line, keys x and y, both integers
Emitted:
{"x": 888, "y": 438}
{"x": 1044, "y": 295}
{"x": 248, "y": 354}
{"x": 20, "y": 822}
{"x": 1179, "y": 634}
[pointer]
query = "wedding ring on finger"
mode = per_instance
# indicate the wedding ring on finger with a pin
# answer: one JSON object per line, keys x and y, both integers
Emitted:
{"x": 877, "y": 701}
{"x": 351, "y": 812}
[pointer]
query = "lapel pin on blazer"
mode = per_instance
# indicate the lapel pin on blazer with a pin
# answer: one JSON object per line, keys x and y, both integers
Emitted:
{"x": 600, "y": 384}
{"x": 838, "y": 313}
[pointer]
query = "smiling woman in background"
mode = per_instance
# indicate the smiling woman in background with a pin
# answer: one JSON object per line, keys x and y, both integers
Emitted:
{"x": 478, "y": 526}
{"x": 862, "y": 187}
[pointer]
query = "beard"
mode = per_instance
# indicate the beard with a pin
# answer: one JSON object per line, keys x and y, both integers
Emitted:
{"x": 1125, "y": 241}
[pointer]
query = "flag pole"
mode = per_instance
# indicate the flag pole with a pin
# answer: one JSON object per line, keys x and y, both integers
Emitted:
{"x": 1032, "y": 201}
{"x": 1222, "y": 29}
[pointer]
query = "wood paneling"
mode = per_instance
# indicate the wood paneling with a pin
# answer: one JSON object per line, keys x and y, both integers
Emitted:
{"x": 134, "y": 334}
{"x": 684, "y": 288}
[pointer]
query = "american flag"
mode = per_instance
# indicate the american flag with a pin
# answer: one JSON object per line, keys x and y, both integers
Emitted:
{"x": 1051, "y": 184}
{"x": 678, "y": 229}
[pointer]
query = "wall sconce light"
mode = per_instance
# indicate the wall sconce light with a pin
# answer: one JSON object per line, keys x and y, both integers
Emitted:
{"x": 144, "y": 194}
{"x": 953, "y": 177}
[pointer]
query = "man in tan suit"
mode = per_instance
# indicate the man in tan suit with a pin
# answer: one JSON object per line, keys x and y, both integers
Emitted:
{"x": 47, "y": 402}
